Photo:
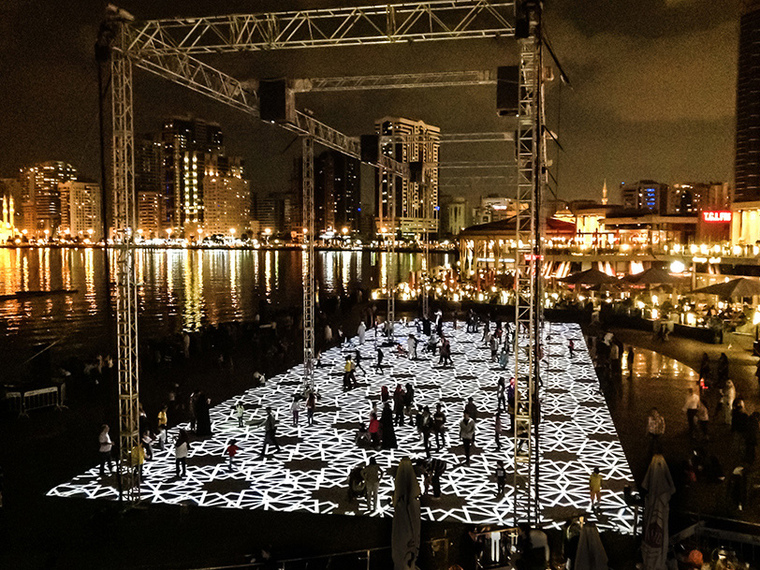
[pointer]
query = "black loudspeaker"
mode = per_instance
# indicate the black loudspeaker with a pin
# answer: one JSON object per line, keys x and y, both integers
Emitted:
{"x": 276, "y": 101}
{"x": 416, "y": 172}
{"x": 507, "y": 90}
{"x": 370, "y": 148}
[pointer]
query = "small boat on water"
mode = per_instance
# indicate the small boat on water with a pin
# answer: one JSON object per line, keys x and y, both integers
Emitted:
{"x": 28, "y": 294}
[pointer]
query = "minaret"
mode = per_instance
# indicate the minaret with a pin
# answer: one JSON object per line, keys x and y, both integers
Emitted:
{"x": 604, "y": 193}
{"x": 11, "y": 214}
{"x": 5, "y": 212}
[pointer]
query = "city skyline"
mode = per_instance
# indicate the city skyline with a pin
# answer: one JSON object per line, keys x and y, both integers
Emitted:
{"x": 633, "y": 112}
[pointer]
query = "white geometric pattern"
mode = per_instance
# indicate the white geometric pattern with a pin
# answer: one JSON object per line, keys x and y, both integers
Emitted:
{"x": 310, "y": 472}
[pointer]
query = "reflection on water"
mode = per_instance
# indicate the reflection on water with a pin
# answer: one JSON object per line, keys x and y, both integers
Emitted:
{"x": 177, "y": 289}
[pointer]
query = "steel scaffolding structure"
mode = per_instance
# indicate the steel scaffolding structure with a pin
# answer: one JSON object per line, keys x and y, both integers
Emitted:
{"x": 401, "y": 81}
{"x": 307, "y": 265}
{"x": 124, "y": 219}
{"x": 167, "y": 47}
{"x": 527, "y": 270}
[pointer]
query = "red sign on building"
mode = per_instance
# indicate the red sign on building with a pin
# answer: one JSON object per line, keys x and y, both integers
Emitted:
{"x": 720, "y": 216}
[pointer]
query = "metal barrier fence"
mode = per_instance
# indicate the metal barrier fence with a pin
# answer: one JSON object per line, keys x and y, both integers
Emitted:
{"x": 24, "y": 402}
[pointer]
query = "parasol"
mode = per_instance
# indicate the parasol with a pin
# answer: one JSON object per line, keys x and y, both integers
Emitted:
{"x": 590, "y": 554}
{"x": 589, "y": 277}
{"x": 405, "y": 534}
{"x": 740, "y": 287}
{"x": 659, "y": 484}
{"x": 652, "y": 276}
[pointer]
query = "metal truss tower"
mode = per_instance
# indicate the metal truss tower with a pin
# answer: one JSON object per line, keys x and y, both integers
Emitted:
{"x": 307, "y": 265}
{"x": 527, "y": 270}
{"x": 124, "y": 223}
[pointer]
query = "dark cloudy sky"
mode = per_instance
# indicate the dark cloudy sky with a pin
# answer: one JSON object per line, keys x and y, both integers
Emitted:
{"x": 653, "y": 91}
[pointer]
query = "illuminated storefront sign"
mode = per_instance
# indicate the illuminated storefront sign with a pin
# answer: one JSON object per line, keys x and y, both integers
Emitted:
{"x": 717, "y": 216}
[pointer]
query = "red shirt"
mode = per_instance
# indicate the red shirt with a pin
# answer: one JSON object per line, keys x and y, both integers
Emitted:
{"x": 374, "y": 425}
{"x": 232, "y": 450}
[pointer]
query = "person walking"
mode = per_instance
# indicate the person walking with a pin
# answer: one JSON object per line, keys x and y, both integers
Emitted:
{"x": 371, "y": 474}
{"x": 349, "y": 378}
{"x": 240, "y": 413}
{"x": 595, "y": 487}
{"x": 270, "y": 431}
{"x": 690, "y": 407}
{"x": 398, "y": 405}
{"x": 439, "y": 426}
{"x": 472, "y": 411}
{"x": 231, "y": 452}
{"x": 630, "y": 359}
{"x": 703, "y": 419}
{"x": 571, "y": 348}
{"x": 426, "y": 426}
{"x": 358, "y": 361}
{"x": 409, "y": 402}
{"x": 467, "y": 435}
{"x": 388, "y": 431}
{"x": 374, "y": 430}
{"x": 494, "y": 346}
{"x": 411, "y": 347}
{"x": 722, "y": 370}
{"x": 501, "y": 478}
{"x": 728, "y": 395}
{"x": 655, "y": 431}
{"x": 104, "y": 450}
{"x": 162, "y": 417}
{"x": 501, "y": 395}
{"x": 361, "y": 331}
{"x": 704, "y": 371}
{"x": 311, "y": 406}
{"x": 181, "y": 448}
{"x": 497, "y": 430}
{"x": 379, "y": 363}
{"x": 445, "y": 359}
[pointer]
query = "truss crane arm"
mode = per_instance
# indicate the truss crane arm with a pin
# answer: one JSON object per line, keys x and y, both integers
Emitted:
{"x": 361, "y": 25}
{"x": 401, "y": 81}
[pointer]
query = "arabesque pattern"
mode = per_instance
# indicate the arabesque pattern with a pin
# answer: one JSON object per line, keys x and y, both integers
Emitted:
{"x": 310, "y": 472}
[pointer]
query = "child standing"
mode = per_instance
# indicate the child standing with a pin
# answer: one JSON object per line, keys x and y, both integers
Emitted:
{"x": 295, "y": 409}
{"x": 595, "y": 487}
{"x": 240, "y": 413}
{"x": 231, "y": 451}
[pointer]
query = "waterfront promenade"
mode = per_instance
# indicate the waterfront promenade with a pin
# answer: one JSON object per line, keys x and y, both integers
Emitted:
{"x": 662, "y": 373}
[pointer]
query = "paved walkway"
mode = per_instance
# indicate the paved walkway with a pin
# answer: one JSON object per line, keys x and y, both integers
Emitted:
{"x": 662, "y": 373}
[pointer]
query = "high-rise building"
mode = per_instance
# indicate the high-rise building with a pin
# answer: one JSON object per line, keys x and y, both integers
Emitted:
{"x": 171, "y": 169}
{"x": 336, "y": 192}
{"x": 80, "y": 209}
{"x": 186, "y": 145}
{"x": 40, "y": 200}
{"x": 227, "y": 205}
{"x": 747, "y": 163}
{"x": 152, "y": 218}
{"x": 645, "y": 195}
{"x": 416, "y": 200}
{"x": 693, "y": 197}
{"x": 456, "y": 218}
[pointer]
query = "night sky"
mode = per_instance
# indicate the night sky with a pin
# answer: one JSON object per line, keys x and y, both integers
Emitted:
{"x": 653, "y": 90}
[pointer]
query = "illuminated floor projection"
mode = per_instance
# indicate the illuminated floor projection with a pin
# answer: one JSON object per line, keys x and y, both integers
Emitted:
{"x": 310, "y": 472}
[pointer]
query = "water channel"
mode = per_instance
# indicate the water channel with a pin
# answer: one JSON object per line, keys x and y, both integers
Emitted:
{"x": 178, "y": 289}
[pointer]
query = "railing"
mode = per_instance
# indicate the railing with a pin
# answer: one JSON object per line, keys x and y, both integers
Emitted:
{"x": 24, "y": 402}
